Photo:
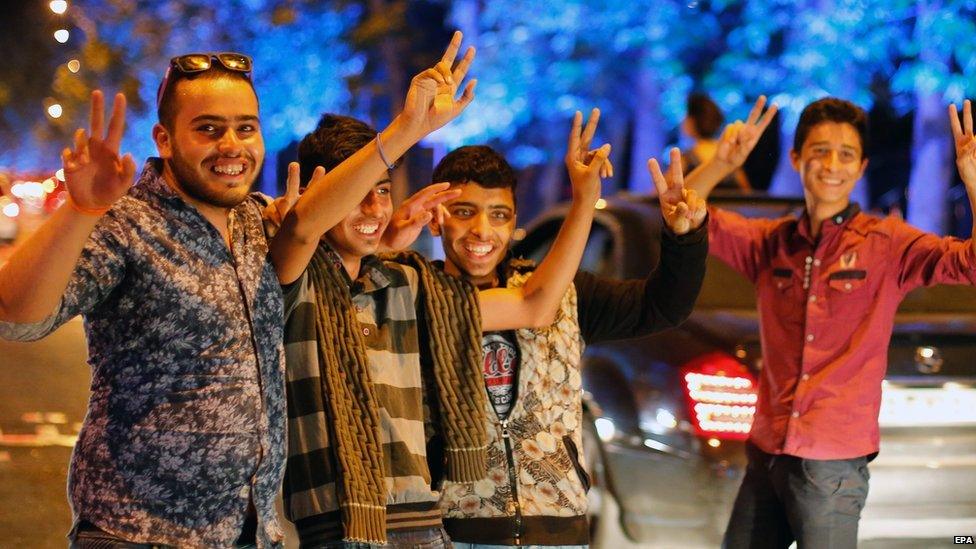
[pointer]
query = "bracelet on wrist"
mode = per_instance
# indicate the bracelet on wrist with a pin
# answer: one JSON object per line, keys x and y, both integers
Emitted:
{"x": 379, "y": 149}
{"x": 94, "y": 212}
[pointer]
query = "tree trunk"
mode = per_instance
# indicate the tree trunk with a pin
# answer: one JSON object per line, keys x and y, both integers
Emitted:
{"x": 650, "y": 130}
{"x": 932, "y": 147}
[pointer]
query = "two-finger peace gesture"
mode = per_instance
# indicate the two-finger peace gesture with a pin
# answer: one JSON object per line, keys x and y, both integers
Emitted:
{"x": 738, "y": 139}
{"x": 586, "y": 167}
{"x": 682, "y": 208}
{"x": 94, "y": 173}
{"x": 415, "y": 213}
{"x": 432, "y": 98}
{"x": 962, "y": 136}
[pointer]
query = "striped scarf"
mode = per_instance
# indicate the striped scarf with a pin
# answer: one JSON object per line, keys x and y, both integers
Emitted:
{"x": 450, "y": 307}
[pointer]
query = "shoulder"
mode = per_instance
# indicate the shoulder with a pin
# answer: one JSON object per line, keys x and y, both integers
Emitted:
{"x": 721, "y": 218}
{"x": 887, "y": 227}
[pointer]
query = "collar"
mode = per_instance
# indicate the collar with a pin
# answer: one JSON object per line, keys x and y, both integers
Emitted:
{"x": 374, "y": 275}
{"x": 839, "y": 219}
{"x": 151, "y": 179}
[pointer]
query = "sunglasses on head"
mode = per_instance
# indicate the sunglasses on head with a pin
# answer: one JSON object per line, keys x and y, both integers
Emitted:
{"x": 192, "y": 63}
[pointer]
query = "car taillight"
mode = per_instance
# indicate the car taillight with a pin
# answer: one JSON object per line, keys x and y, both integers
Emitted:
{"x": 721, "y": 396}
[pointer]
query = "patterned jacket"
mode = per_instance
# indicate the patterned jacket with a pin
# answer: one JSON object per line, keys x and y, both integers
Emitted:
{"x": 541, "y": 449}
{"x": 541, "y": 456}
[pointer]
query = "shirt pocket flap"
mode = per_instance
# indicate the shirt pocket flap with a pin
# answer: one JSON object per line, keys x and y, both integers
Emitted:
{"x": 782, "y": 278}
{"x": 848, "y": 280}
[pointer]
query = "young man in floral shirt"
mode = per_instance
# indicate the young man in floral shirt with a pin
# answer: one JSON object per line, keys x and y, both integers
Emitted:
{"x": 183, "y": 442}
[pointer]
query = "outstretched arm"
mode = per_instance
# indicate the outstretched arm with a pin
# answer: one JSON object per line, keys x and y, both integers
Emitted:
{"x": 734, "y": 146}
{"x": 535, "y": 304}
{"x": 33, "y": 281}
{"x": 431, "y": 103}
{"x": 965, "y": 154}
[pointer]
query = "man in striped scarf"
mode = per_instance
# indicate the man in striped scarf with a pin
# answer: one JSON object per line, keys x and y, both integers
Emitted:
{"x": 383, "y": 353}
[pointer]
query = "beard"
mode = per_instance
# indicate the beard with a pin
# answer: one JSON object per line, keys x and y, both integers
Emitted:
{"x": 197, "y": 188}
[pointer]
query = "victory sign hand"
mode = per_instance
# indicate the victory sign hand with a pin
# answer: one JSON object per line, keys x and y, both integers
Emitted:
{"x": 586, "y": 167}
{"x": 739, "y": 138}
{"x": 415, "y": 213}
{"x": 682, "y": 208}
{"x": 432, "y": 98}
{"x": 94, "y": 173}
{"x": 962, "y": 136}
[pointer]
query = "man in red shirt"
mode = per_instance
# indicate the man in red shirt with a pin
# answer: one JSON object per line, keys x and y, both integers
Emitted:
{"x": 828, "y": 284}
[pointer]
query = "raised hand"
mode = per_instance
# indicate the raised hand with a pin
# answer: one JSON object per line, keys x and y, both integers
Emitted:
{"x": 280, "y": 207}
{"x": 739, "y": 138}
{"x": 586, "y": 167}
{"x": 94, "y": 173}
{"x": 432, "y": 98}
{"x": 682, "y": 208}
{"x": 962, "y": 136}
{"x": 415, "y": 213}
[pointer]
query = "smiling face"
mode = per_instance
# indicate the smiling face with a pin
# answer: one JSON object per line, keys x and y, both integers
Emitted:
{"x": 477, "y": 235}
{"x": 358, "y": 234}
{"x": 830, "y": 161}
{"x": 214, "y": 150}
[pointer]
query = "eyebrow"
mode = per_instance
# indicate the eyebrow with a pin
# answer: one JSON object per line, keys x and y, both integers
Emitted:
{"x": 817, "y": 143}
{"x": 490, "y": 206}
{"x": 215, "y": 118}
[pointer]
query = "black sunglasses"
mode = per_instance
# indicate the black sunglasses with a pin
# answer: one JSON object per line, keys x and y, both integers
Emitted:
{"x": 192, "y": 63}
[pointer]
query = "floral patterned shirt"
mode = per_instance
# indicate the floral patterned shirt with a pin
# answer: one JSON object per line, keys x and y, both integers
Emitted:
{"x": 186, "y": 421}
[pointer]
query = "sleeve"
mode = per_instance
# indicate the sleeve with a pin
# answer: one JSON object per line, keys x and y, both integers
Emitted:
{"x": 738, "y": 241}
{"x": 613, "y": 309}
{"x": 99, "y": 269}
{"x": 925, "y": 259}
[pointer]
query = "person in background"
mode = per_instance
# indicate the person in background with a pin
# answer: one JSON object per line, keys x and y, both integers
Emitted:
{"x": 702, "y": 125}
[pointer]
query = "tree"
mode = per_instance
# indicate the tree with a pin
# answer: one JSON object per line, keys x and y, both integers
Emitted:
{"x": 301, "y": 60}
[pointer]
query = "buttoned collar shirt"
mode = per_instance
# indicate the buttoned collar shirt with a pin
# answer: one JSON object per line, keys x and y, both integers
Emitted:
{"x": 186, "y": 421}
{"x": 826, "y": 313}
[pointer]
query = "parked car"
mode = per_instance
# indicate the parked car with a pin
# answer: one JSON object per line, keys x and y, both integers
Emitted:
{"x": 668, "y": 414}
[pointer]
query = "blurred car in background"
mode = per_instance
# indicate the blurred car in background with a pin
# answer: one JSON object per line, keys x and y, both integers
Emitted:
{"x": 668, "y": 414}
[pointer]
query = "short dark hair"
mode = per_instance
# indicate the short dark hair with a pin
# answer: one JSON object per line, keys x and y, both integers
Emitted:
{"x": 831, "y": 109}
{"x": 478, "y": 164}
{"x": 335, "y": 139}
{"x": 166, "y": 109}
{"x": 705, "y": 115}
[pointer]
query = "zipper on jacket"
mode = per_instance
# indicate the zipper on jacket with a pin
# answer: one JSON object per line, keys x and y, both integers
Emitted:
{"x": 512, "y": 480}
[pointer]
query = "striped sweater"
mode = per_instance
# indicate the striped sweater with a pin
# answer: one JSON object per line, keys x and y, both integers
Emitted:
{"x": 386, "y": 298}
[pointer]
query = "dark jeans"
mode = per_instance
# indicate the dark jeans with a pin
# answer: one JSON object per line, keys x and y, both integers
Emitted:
{"x": 89, "y": 536}
{"x": 815, "y": 502}
{"x": 430, "y": 538}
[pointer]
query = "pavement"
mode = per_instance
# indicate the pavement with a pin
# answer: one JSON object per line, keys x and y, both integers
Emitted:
{"x": 44, "y": 390}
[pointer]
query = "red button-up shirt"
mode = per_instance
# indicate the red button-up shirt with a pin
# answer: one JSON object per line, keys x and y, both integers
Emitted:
{"x": 826, "y": 312}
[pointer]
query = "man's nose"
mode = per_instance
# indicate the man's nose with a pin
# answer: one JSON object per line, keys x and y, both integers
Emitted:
{"x": 482, "y": 226}
{"x": 230, "y": 143}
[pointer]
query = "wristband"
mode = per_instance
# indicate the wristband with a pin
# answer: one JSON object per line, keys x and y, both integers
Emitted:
{"x": 94, "y": 212}
{"x": 379, "y": 149}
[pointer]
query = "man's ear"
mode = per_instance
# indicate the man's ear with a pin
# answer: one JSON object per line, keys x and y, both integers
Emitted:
{"x": 795, "y": 159}
{"x": 164, "y": 143}
{"x": 864, "y": 166}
